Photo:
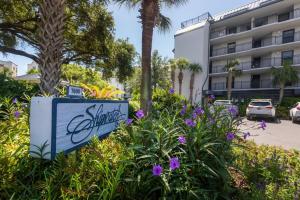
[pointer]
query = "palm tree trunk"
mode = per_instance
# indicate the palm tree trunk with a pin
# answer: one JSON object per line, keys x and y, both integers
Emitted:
{"x": 229, "y": 84}
{"x": 148, "y": 13}
{"x": 173, "y": 78}
{"x": 51, "y": 28}
{"x": 180, "y": 78}
{"x": 192, "y": 87}
{"x": 281, "y": 93}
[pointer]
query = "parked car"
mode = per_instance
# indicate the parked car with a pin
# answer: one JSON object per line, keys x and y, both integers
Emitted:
{"x": 229, "y": 107}
{"x": 295, "y": 112}
{"x": 261, "y": 108}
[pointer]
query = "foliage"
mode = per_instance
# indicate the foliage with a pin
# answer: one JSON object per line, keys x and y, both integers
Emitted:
{"x": 268, "y": 172}
{"x": 160, "y": 71}
{"x": 182, "y": 63}
{"x": 284, "y": 75}
{"x": 88, "y": 36}
{"x": 108, "y": 92}
{"x": 120, "y": 167}
{"x": 121, "y": 62}
{"x": 94, "y": 173}
{"x": 160, "y": 75}
{"x": 12, "y": 88}
{"x": 162, "y": 100}
{"x": 76, "y": 75}
{"x": 194, "y": 67}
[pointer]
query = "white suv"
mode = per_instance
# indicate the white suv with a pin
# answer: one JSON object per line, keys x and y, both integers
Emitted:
{"x": 295, "y": 112}
{"x": 261, "y": 108}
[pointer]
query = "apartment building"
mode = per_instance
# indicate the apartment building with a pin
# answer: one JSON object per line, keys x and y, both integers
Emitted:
{"x": 32, "y": 66}
{"x": 11, "y": 67}
{"x": 260, "y": 35}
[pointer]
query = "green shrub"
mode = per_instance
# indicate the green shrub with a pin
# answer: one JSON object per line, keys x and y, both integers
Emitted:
{"x": 12, "y": 88}
{"x": 120, "y": 167}
{"x": 269, "y": 172}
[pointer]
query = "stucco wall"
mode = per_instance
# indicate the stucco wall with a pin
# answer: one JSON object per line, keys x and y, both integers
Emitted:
{"x": 194, "y": 46}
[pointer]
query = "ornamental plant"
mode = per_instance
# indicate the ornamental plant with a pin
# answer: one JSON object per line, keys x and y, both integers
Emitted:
{"x": 174, "y": 156}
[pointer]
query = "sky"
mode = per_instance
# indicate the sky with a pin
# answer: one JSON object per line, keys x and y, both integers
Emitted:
{"x": 127, "y": 25}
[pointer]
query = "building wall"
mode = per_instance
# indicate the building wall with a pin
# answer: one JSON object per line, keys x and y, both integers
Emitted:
{"x": 12, "y": 67}
{"x": 32, "y": 66}
{"x": 194, "y": 46}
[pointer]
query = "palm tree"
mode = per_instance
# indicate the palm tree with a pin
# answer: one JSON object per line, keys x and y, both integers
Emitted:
{"x": 151, "y": 17}
{"x": 173, "y": 66}
{"x": 284, "y": 75}
{"x": 51, "y": 28}
{"x": 231, "y": 68}
{"x": 194, "y": 68}
{"x": 182, "y": 64}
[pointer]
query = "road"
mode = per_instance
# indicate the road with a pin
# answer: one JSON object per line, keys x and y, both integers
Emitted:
{"x": 283, "y": 133}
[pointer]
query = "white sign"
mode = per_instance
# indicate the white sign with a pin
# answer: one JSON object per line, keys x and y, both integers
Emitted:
{"x": 63, "y": 125}
{"x": 73, "y": 91}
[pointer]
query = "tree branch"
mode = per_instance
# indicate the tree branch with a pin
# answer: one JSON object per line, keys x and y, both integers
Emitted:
{"x": 18, "y": 52}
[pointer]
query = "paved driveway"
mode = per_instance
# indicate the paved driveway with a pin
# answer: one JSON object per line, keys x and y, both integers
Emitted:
{"x": 283, "y": 133}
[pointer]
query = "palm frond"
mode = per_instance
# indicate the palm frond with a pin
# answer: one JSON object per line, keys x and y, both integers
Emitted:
{"x": 194, "y": 67}
{"x": 163, "y": 23}
{"x": 128, "y": 3}
{"x": 176, "y": 3}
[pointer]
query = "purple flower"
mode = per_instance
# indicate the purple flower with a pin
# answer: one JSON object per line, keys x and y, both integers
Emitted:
{"x": 174, "y": 163}
{"x": 129, "y": 122}
{"x": 181, "y": 139}
{"x": 199, "y": 111}
{"x": 230, "y": 136}
{"x": 172, "y": 91}
{"x": 194, "y": 115}
{"x": 17, "y": 114}
{"x": 140, "y": 114}
{"x": 157, "y": 170}
{"x": 212, "y": 97}
{"x": 246, "y": 134}
{"x": 263, "y": 125}
{"x": 190, "y": 123}
{"x": 183, "y": 110}
{"x": 211, "y": 120}
{"x": 233, "y": 111}
{"x": 15, "y": 100}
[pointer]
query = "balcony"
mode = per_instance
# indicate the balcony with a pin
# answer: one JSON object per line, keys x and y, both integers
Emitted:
{"x": 255, "y": 44}
{"x": 222, "y": 69}
{"x": 257, "y": 64}
{"x": 257, "y": 23}
{"x": 261, "y": 84}
{"x": 229, "y": 31}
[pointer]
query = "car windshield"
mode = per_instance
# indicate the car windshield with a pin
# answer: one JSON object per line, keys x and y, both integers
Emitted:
{"x": 260, "y": 103}
{"x": 222, "y": 102}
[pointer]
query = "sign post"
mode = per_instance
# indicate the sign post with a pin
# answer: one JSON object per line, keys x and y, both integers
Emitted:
{"x": 63, "y": 124}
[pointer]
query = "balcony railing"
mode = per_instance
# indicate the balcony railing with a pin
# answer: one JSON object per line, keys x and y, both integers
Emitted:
{"x": 216, "y": 34}
{"x": 260, "y": 84}
{"x": 275, "y": 40}
{"x": 264, "y": 63}
{"x": 219, "y": 86}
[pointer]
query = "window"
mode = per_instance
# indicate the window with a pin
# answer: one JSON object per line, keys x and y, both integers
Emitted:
{"x": 231, "y": 47}
{"x": 283, "y": 17}
{"x": 256, "y": 43}
{"x": 231, "y": 30}
{"x": 256, "y": 62}
{"x": 287, "y": 57}
{"x": 261, "y": 21}
{"x": 288, "y": 36}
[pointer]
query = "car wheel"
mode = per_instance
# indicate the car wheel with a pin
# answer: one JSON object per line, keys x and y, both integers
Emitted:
{"x": 293, "y": 120}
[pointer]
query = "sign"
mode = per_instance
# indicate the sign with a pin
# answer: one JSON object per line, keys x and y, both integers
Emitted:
{"x": 63, "y": 125}
{"x": 74, "y": 92}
